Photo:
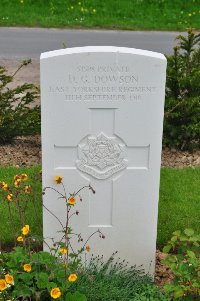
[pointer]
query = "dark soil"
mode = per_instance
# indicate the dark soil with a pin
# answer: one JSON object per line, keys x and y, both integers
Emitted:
{"x": 26, "y": 151}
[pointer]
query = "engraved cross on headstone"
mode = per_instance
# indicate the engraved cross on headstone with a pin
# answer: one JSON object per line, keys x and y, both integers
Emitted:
{"x": 101, "y": 158}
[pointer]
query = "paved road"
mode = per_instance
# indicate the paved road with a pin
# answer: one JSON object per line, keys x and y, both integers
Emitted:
{"x": 21, "y": 43}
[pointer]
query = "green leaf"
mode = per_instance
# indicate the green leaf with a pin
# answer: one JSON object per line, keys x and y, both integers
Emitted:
{"x": 166, "y": 249}
{"x": 42, "y": 280}
{"x": 75, "y": 297}
{"x": 171, "y": 258}
{"x": 169, "y": 288}
{"x": 174, "y": 238}
{"x": 183, "y": 238}
{"x": 69, "y": 297}
{"x": 191, "y": 254}
{"x": 177, "y": 233}
{"x": 51, "y": 285}
{"x": 189, "y": 232}
{"x": 178, "y": 293}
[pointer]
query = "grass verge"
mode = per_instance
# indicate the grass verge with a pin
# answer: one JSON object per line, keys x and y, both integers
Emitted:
{"x": 126, "y": 14}
{"x": 9, "y": 221}
{"x": 179, "y": 205}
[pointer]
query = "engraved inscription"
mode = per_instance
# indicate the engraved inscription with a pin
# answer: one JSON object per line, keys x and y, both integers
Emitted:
{"x": 102, "y": 83}
{"x": 101, "y": 156}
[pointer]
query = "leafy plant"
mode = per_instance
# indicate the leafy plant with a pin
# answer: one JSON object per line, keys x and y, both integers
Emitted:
{"x": 26, "y": 274}
{"x": 150, "y": 293}
{"x": 18, "y": 114}
{"x": 182, "y": 109}
{"x": 185, "y": 265}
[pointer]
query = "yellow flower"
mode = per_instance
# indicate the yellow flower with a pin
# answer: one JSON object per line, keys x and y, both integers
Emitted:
{"x": 88, "y": 248}
{"x": 25, "y": 230}
{"x": 27, "y": 267}
{"x": 55, "y": 293}
{"x": 3, "y": 285}
{"x": 24, "y": 177}
{"x": 27, "y": 189}
{"x": 189, "y": 15}
{"x": 57, "y": 179}
{"x": 71, "y": 200}
{"x": 9, "y": 279}
{"x": 63, "y": 250}
{"x": 72, "y": 277}
{"x": 94, "y": 10}
{"x": 17, "y": 183}
{"x": 20, "y": 239}
{"x": 10, "y": 197}
{"x": 82, "y": 9}
{"x": 17, "y": 177}
{"x": 5, "y": 186}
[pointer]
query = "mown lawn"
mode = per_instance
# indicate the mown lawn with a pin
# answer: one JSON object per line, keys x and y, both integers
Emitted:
{"x": 179, "y": 205}
{"x": 113, "y": 14}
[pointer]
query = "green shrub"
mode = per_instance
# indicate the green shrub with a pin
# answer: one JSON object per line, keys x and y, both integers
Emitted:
{"x": 150, "y": 293}
{"x": 18, "y": 114}
{"x": 182, "y": 107}
{"x": 185, "y": 265}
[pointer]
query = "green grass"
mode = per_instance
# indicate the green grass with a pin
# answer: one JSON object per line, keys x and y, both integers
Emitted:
{"x": 120, "y": 14}
{"x": 179, "y": 205}
{"x": 113, "y": 280}
{"x": 34, "y": 208}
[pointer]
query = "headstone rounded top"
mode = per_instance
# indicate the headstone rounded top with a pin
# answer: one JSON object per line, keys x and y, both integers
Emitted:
{"x": 101, "y": 49}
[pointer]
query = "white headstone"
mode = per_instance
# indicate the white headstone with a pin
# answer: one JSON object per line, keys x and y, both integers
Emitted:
{"x": 102, "y": 120}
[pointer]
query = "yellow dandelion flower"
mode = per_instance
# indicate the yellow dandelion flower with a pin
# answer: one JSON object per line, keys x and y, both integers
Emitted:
{"x": 10, "y": 197}
{"x": 20, "y": 239}
{"x": 3, "y": 285}
{"x": 27, "y": 189}
{"x": 189, "y": 15}
{"x": 25, "y": 230}
{"x": 94, "y": 10}
{"x": 72, "y": 277}
{"x": 88, "y": 248}
{"x": 71, "y": 200}
{"x": 55, "y": 293}
{"x": 5, "y": 186}
{"x": 9, "y": 279}
{"x": 17, "y": 183}
{"x": 57, "y": 179}
{"x": 27, "y": 267}
{"x": 24, "y": 177}
{"x": 63, "y": 250}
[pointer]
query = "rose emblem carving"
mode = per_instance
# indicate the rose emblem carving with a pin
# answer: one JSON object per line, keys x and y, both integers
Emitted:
{"x": 101, "y": 156}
